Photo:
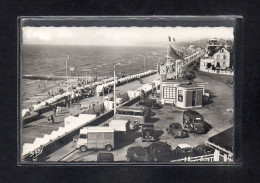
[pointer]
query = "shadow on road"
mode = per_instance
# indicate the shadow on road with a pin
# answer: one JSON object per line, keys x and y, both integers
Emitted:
{"x": 210, "y": 99}
{"x": 122, "y": 141}
{"x": 153, "y": 120}
{"x": 157, "y": 134}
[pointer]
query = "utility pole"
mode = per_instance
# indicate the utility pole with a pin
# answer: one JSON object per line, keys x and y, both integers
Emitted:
{"x": 144, "y": 64}
{"x": 68, "y": 57}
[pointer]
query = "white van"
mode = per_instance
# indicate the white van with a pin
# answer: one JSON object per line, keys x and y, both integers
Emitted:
{"x": 96, "y": 138}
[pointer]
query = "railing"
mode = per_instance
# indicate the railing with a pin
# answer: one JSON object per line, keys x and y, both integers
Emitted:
{"x": 205, "y": 158}
{"x": 216, "y": 157}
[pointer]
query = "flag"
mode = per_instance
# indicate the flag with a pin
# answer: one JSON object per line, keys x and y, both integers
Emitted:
{"x": 169, "y": 39}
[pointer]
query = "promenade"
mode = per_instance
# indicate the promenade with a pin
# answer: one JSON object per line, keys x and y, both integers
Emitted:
{"x": 41, "y": 126}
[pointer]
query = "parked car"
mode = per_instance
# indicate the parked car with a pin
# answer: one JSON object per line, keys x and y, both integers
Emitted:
{"x": 105, "y": 157}
{"x": 137, "y": 154}
{"x": 151, "y": 103}
{"x": 182, "y": 150}
{"x": 147, "y": 132}
{"x": 176, "y": 130}
{"x": 203, "y": 149}
{"x": 159, "y": 151}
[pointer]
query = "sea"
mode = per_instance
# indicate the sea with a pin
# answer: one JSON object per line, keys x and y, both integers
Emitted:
{"x": 84, "y": 61}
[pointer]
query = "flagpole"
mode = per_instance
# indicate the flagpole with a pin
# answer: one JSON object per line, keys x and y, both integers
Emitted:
{"x": 114, "y": 89}
{"x": 67, "y": 72}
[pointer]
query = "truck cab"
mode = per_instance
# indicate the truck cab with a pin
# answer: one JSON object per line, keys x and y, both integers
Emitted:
{"x": 193, "y": 121}
{"x": 95, "y": 138}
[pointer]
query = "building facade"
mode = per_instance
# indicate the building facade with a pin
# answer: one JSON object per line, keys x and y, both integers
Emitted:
{"x": 183, "y": 94}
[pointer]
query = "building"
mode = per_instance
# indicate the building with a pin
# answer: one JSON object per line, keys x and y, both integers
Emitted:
{"x": 223, "y": 142}
{"x": 183, "y": 94}
{"x": 218, "y": 58}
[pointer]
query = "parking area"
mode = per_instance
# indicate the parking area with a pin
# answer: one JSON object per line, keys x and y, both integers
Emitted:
{"x": 161, "y": 121}
{"x": 216, "y": 113}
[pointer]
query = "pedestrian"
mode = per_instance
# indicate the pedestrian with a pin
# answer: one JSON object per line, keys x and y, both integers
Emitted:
{"x": 49, "y": 121}
{"x": 64, "y": 103}
{"x": 54, "y": 110}
{"x": 40, "y": 113}
{"x": 52, "y": 119}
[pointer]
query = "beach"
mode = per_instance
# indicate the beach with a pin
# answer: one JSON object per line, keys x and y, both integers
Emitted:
{"x": 86, "y": 62}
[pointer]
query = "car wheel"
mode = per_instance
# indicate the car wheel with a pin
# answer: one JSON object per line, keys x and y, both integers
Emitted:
{"x": 108, "y": 147}
{"x": 83, "y": 148}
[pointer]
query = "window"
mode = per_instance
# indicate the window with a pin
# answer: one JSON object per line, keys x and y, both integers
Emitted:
{"x": 224, "y": 57}
{"x": 218, "y": 56}
{"x": 83, "y": 136}
{"x": 130, "y": 113}
{"x": 169, "y": 92}
{"x": 139, "y": 114}
{"x": 180, "y": 95}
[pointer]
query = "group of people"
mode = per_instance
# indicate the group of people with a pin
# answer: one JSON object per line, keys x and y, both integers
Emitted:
{"x": 53, "y": 92}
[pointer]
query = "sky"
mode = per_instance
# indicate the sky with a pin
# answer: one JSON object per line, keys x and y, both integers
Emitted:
{"x": 120, "y": 36}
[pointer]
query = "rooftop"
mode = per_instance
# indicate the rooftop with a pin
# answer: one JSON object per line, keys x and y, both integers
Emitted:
{"x": 223, "y": 139}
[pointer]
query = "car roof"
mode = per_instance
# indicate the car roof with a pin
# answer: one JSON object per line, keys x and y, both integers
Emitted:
{"x": 184, "y": 145}
{"x": 159, "y": 144}
{"x": 150, "y": 124}
{"x": 126, "y": 108}
{"x": 176, "y": 124}
{"x": 105, "y": 155}
{"x": 193, "y": 114}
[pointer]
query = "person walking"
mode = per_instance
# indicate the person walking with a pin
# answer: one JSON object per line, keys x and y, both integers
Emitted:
{"x": 54, "y": 110}
{"x": 49, "y": 120}
{"x": 52, "y": 119}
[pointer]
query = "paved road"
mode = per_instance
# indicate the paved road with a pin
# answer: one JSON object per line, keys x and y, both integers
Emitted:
{"x": 215, "y": 114}
{"x": 40, "y": 127}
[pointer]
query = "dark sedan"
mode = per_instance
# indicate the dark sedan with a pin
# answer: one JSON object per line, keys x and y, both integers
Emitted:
{"x": 137, "y": 154}
{"x": 182, "y": 151}
{"x": 203, "y": 149}
{"x": 105, "y": 157}
{"x": 176, "y": 130}
{"x": 160, "y": 151}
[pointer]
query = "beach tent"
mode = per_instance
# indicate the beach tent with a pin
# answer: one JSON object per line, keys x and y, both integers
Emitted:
{"x": 25, "y": 113}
